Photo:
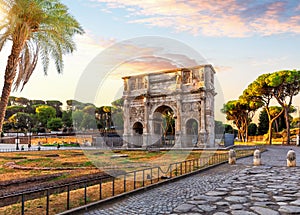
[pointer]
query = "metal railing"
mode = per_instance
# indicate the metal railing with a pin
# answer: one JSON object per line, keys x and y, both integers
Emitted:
{"x": 86, "y": 191}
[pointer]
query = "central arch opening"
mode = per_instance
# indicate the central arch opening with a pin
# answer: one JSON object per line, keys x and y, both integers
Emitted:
{"x": 164, "y": 126}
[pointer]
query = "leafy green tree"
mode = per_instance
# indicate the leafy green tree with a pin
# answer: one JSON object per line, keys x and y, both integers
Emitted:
{"x": 7, "y": 126}
{"x": 34, "y": 28}
{"x": 11, "y": 101}
{"x": 67, "y": 119}
{"x": 117, "y": 117}
{"x": 279, "y": 123}
{"x": 241, "y": 113}
{"x": 263, "y": 123}
{"x": 228, "y": 129}
{"x": 88, "y": 122}
{"x": 286, "y": 85}
{"x": 117, "y": 113}
{"x": 11, "y": 110}
{"x": 90, "y": 109}
{"x": 104, "y": 116}
{"x": 45, "y": 113}
{"x": 57, "y": 105}
{"x": 234, "y": 112}
{"x": 77, "y": 117}
{"x": 252, "y": 129}
{"x": 296, "y": 122}
{"x": 77, "y": 105}
{"x": 54, "y": 124}
{"x": 21, "y": 121}
{"x": 21, "y": 101}
{"x": 260, "y": 91}
{"x": 37, "y": 102}
{"x": 119, "y": 103}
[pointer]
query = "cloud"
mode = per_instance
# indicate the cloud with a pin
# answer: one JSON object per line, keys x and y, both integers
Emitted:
{"x": 219, "y": 69}
{"x": 231, "y": 18}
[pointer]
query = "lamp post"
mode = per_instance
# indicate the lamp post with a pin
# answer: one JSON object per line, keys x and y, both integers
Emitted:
{"x": 29, "y": 133}
{"x": 17, "y": 140}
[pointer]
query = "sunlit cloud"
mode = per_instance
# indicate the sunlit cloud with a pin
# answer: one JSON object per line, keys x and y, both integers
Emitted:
{"x": 231, "y": 18}
{"x": 219, "y": 69}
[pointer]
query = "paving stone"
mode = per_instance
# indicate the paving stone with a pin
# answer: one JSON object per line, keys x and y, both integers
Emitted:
{"x": 220, "y": 213}
{"x": 289, "y": 209}
{"x": 222, "y": 203}
{"x": 282, "y": 203}
{"x": 260, "y": 195}
{"x": 259, "y": 199}
{"x": 194, "y": 202}
{"x": 216, "y": 193}
{"x": 282, "y": 198}
{"x": 242, "y": 212}
{"x": 207, "y": 208}
{"x": 239, "y": 193}
{"x": 225, "y": 189}
{"x": 208, "y": 198}
{"x": 297, "y": 202}
{"x": 236, "y": 207}
{"x": 263, "y": 204}
{"x": 264, "y": 211}
{"x": 183, "y": 208}
{"x": 239, "y": 199}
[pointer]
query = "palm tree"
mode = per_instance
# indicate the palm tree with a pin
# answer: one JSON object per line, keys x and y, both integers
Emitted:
{"x": 35, "y": 28}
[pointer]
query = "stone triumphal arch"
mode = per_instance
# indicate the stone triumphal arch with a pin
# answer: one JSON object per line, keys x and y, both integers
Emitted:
{"x": 173, "y": 107}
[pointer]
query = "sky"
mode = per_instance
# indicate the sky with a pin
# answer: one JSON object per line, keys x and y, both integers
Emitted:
{"x": 242, "y": 39}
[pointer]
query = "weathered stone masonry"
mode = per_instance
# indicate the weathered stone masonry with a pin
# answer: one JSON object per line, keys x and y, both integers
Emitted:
{"x": 186, "y": 92}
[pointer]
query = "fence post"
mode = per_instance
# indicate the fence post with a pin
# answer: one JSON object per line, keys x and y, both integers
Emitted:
{"x": 47, "y": 202}
{"x": 100, "y": 189}
{"x": 85, "y": 193}
{"x": 23, "y": 204}
{"x": 170, "y": 170}
{"x": 113, "y": 186}
{"x": 68, "y": 198}
{"x": 151, "y": 175}
{"x": 134, "y": 179}
{"x": 143, "y": 178}
{"x": 124, "y": 182}
{"x": 181, "y": 168}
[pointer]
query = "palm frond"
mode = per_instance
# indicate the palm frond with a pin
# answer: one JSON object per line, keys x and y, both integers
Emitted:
{"x": 44, "y": 27}
{"x": 28, "y": 61}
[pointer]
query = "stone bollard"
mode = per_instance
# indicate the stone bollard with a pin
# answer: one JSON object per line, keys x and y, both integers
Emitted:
{"x": 256, "y": 158}
{"x": 291, "y": 158}
{"x": 232, "y": 157}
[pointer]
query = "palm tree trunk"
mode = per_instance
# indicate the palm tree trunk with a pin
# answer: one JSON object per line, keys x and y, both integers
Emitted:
{"x": 10, "y": 74}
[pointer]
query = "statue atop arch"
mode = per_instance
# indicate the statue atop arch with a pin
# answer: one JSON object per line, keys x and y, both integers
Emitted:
{"x": 170, "y": 108}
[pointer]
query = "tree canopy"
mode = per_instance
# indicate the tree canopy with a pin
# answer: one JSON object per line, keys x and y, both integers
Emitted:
{"x": 37, "y": 29}
{"x": 281, "y": 86}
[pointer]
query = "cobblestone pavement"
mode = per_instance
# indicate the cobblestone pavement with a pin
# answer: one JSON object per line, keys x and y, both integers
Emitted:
{"x": 240, "y": 189}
